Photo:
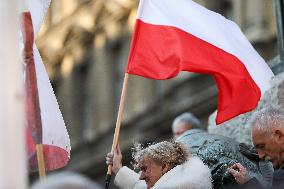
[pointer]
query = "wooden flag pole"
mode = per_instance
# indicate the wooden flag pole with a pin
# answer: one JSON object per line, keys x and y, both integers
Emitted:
{"x": 40, "y": 161}
{"x": 118, "y": 125}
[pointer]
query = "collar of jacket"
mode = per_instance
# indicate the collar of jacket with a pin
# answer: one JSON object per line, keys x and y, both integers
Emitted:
{"x": 190, "y": 175}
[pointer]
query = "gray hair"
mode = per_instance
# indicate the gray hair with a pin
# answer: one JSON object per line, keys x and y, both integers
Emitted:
{"x": 188, "y": 118}
{"x": 66, "y": 180}
{"x": 172, "y": 153}
{"x": 266, "y": 119}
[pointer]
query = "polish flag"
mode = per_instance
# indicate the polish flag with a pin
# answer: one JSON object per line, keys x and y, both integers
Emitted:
{"x": 52, "y": 132}
{"x": 171, "y": 36}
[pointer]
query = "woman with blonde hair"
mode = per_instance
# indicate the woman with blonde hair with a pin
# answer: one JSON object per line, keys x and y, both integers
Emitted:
{"x": 165, "y": 165}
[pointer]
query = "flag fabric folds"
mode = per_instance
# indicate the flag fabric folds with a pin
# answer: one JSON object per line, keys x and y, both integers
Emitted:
{"x": 52, "y": 134}
{"x": 174, "y": 36}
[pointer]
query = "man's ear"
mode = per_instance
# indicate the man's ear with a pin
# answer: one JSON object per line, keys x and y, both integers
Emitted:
{"x": 279, "y": 136}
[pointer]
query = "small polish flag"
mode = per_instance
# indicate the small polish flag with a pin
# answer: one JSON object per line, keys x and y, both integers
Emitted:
{"x": 53, "y": 134}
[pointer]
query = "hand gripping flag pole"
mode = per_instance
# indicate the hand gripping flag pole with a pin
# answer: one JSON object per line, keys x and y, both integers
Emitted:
{"x": 34, "y": 122}
{"x": 118, "y": 125}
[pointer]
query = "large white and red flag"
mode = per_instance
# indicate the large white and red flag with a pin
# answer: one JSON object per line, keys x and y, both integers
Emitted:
{"x": 174, "y": 36}
{"x": 45, "y": 124}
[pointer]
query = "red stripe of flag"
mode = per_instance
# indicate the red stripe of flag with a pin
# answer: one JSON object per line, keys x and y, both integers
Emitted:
{"x": 161, "y": 52}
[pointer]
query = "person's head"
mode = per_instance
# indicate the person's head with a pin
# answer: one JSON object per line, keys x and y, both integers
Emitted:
{"x": 157, "y": 159}
{"x": 66, "y": 180}
{"x": 268, "y": 135}
{"x": 184, "y": 122}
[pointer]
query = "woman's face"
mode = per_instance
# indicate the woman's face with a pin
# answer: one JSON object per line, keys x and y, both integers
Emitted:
{"x": 151, "y": 171}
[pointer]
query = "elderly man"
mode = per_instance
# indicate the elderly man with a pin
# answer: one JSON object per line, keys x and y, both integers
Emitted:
{"x": 268, "y": 139}
{"x": 185, "y": 122}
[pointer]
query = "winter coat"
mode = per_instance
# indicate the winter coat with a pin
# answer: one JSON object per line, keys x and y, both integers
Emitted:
{"x": 193, "y": 174}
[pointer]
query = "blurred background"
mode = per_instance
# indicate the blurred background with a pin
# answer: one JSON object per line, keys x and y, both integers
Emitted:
{"x": 84, "y": 45}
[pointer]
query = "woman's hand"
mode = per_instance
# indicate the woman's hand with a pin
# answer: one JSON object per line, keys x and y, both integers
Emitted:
{"x": 115, "y": 159}
{"x": 240, "y": 173}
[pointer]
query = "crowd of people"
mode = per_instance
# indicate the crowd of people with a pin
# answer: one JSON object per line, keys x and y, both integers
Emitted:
{"x": 170, "y": 165}
{"x": 267, "y": 137}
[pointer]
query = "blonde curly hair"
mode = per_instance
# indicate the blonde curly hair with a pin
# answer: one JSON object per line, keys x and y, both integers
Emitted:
{"x": 172, "y": 153}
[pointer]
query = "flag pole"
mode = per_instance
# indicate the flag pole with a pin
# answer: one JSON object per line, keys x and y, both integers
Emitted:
{"x": 118, "y": 125}
{"x": 40, "y": 161}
